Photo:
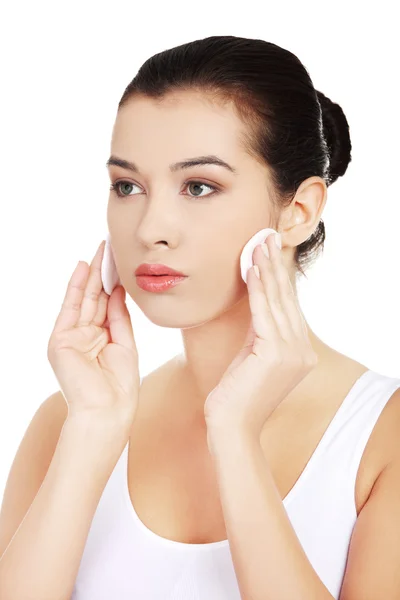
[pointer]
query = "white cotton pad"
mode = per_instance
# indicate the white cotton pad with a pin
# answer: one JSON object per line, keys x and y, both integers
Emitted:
{"x": 109, "y": 274}
{"x": 246, "y": 258}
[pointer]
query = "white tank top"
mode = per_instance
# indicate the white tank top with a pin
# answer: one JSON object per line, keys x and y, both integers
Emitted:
{"x": 125, "y": 560}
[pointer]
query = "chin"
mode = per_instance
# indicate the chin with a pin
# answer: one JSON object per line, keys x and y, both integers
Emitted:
{"x": 174, "y": 319}
{"x": 185, "y": 312}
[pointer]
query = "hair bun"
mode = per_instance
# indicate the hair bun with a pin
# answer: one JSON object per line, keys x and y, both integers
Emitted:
{"x": 337, "y": 136}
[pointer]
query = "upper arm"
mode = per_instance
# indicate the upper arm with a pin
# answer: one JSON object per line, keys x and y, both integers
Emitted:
{"x": 373, "y": 563}
{"x": 30, "y": 464}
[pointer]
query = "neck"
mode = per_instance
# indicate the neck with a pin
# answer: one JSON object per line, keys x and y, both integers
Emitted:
{"x": 211, "y": 347}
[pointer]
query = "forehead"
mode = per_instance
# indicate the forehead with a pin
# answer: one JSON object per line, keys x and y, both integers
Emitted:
{"x": 183, "y": 123}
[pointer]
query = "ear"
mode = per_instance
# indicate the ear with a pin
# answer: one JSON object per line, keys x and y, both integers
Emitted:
{"x": 300, "y": 219}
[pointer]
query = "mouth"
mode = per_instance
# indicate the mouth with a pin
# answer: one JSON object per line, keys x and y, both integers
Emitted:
{"x": 157, "y": 270}
{"x": 161, "y": 275}
{"x": 158, "y": 283}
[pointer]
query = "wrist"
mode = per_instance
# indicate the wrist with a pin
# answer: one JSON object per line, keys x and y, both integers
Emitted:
{"x": 222, "y": 438}
{"x": 100, "y": 423}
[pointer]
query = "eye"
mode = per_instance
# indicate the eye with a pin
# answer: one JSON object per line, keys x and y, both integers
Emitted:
{"x": 115, "y": 187}
{"x": 199, "y": 184}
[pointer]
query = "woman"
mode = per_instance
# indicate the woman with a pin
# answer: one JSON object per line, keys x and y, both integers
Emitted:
{"x": 259, "y": 463}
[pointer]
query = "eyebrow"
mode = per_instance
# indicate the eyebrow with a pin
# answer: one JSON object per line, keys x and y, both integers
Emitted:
{"x": 210, "y": 159}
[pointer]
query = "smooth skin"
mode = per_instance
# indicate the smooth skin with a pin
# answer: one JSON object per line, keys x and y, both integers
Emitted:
{"x": 276, "y": 356}
{"x": 160, "y": 217}
{"x": 92, "y": 347}
{"x": 161, "y": 220}
{"x": 93, "y": 354}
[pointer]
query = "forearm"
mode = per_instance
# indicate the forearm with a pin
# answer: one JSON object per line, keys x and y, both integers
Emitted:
{"x": 42, "y": 560}
{"x": 269, "y": 561}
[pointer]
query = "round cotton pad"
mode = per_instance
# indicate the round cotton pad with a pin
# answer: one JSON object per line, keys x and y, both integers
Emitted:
{"x": 246, "y": 258}
{"x": 109, "y": 274}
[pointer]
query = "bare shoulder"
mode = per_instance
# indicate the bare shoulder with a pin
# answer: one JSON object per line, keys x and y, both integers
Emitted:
{"x": 382, "y": 447}
{"x": 374, "y": 552}
{"x": 30, "y": 464}
{"x": 387, "y": 429}
{"x": 165, "y": 371}
{"x": 41, "y": 436}
{"x": 160, "y": 379}
{"x": 383, "y": 444}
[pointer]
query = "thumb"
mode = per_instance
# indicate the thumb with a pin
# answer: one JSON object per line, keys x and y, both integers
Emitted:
{"x": 119, "y": 319}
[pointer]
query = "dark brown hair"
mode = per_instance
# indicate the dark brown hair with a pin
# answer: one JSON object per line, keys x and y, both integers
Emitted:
{"x": 292, "y": 128}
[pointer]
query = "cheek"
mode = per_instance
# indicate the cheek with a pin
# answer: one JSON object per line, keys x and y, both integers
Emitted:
{"x": 230, "y": 260}
{"x": 215, "y": 293}
{"x": 221, "y": 278}
{"x": 220, "y": 258}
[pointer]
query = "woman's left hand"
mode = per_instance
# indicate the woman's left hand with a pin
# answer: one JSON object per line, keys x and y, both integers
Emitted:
{"x": 276, "y": 355}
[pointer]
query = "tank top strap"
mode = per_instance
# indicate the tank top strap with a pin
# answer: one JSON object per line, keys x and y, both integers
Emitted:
{"x": 365, "y": 412}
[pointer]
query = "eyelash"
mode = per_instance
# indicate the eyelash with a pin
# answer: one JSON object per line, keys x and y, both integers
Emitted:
{"x": 114, "y": 188}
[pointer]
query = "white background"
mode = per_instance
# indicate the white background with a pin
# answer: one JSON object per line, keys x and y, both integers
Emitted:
{"x": 64, "y": 68}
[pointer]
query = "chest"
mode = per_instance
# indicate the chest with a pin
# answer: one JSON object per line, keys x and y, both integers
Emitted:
{"x": 172, "y": 481}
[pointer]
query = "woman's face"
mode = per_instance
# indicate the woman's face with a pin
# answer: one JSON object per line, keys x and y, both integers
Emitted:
{"x": 174, "y": 217}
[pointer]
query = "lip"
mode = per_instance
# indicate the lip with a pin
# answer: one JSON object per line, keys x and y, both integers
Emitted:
{"x": 157, "y": 269}
{"x": 158, "y": 283}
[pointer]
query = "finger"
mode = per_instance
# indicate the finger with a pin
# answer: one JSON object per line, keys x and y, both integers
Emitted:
{"x": 271, "y": 289}
{"x": 71, "y": 306}
{"x": 263, "y": 321}
{"x": 287, "y": 296}
{"x": 121, "y": 329}
{"x": 100, "y": 317}
{"x": 93, "y": 288}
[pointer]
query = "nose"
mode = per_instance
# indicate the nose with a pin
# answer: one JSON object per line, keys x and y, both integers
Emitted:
{"x": 160, "y": 223}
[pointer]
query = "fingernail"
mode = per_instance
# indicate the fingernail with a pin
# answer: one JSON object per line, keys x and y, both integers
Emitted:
{"x": 278, "y": 240}
{"x": 256, "y": 271}
{"x": 264, "y": 248}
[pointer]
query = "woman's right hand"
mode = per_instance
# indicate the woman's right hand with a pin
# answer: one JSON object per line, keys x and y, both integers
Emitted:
{"x": 92, "y": 349}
